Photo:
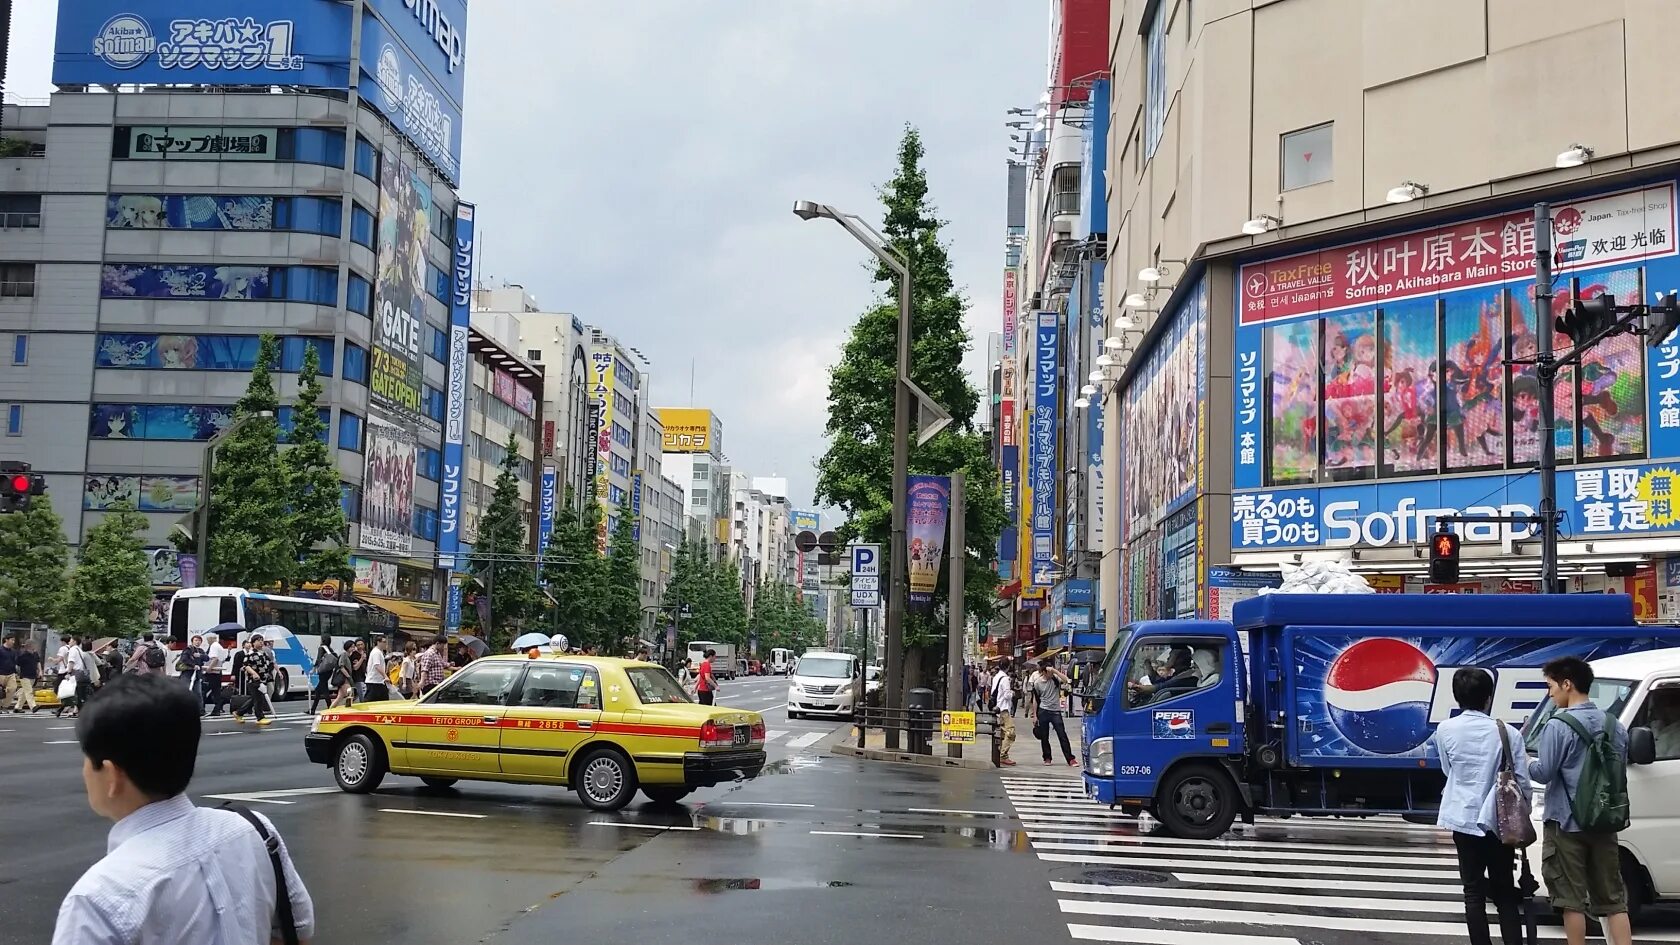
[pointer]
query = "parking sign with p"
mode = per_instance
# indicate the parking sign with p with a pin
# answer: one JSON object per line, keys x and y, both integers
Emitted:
{"x": 866, "y": 575}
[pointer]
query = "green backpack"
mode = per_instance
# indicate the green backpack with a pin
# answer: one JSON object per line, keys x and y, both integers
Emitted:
{"x": 1600, "y": 803}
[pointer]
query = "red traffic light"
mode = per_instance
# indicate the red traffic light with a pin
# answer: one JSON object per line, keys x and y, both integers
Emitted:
{"x": 20, "y": 485}
{"x": 1443, "y": 558}
{"x": 1446, "y": 545}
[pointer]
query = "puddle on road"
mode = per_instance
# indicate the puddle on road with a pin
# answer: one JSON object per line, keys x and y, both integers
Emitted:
{"x": 714, "y": 886}
{"x": 741, "y": 826}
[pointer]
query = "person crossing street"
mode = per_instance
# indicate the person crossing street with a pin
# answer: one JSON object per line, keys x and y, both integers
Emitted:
{"x": 1003, "y": 704}
{"x": 1049, "y": 688}
{"x": 254, "y": 668}
{"x": 28, "y": 671}
{"x": 8, "y": 670}
{"x": 434, "y": 665}
{"x": 378, "y": 679}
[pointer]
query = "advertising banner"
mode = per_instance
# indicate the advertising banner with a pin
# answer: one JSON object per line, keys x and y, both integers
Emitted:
{"x": 455, "y": 414}
{"x": 1159, "y": 410}
{"x": 1226, "y": 586}
{"x": 188, "y": 212}
{"x": 545, "y": 510}
{"x": 405, "y": 208}
{"x": 636, "y": 507}
{"x": 195, "y": 143}
{"x": 929, "y": 505}
{"x": 1095, "y": 419}
{"x": 388, "y": 487}
{"x": 452, "y": 610}
{"x": 188, "y": 569}
{"x": 221, "y": 283}
{"x": 144, "y": 493}
{"x": 1010, "y": 329}
{"x": 602, "y": 377}
{"x": 548, "y": 438}
{"x": 687, "y": 430}
{"x": 524, "y": 401}
{"x": 256, "y": 42}
{"x": 1042, "y": 470}
{"x": 418, "y": 86}
{"x": 502, "y": 386}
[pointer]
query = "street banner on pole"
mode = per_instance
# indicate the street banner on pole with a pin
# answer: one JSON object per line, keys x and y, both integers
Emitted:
{"x": 929, "y": 504}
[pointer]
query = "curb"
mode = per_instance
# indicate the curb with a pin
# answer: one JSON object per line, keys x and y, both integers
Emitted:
{"x": 903, "y": 757}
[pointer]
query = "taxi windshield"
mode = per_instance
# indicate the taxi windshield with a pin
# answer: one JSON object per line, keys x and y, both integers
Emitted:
{"x": 654, "y": 685}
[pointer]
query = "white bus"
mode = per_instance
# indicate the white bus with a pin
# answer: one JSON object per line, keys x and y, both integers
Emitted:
{"x": 292, "y": 626}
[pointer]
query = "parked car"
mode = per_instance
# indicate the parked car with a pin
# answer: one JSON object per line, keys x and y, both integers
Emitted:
{"x": 755, "y": 668}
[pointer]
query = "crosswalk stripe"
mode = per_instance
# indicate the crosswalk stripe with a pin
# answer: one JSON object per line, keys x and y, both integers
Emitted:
{"x": 1145, "y": 935}
{"x": 1350, "y": 885}
{"x": 774, "y": 734}
{"x": 1447, "y": 907}
{"x": 1193, "y": 854}
{"x": 806, "y": 740}
{"x": 1314, "y": 848}
{"x": 1093, "y": 812}
{"x": 1282, "y": 869}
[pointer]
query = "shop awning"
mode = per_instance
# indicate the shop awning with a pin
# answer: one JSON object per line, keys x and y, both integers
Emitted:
{"x": 1009, "y": 591}
{"x": 411, "y": 615}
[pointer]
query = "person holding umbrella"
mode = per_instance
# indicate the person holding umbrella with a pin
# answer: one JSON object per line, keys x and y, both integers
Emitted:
{"x": 531, "y": 644}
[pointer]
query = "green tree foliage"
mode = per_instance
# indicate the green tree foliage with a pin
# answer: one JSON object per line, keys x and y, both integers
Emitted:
{"x": 318, "y": 526}
{"x": 856, "y": 472}
{"x": 501, "y": 560}
{"x": 251, "y": 542}
{"x": 710, "y": 591}
{"x": 780, "y": 618}
{"x": 34, "y": 562}
{"x": 111, "y": 591}
{"x": 572, "y": 568}
{"x": 725, "y": 600}
{"x": 621, "y": 592}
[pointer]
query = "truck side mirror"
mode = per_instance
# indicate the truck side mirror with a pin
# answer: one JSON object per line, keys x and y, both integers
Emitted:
{"x": 1642, "y": 746}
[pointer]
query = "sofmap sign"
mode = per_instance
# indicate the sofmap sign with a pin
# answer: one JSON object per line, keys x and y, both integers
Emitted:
{"x": 455, "y": 416}
{"x": 1041, "y": 443}
{"x": 212, "y": 42}
{"x": 1597, "y": 502}
{"x": 399, "y": 85}
{"x": 545, "y": 510}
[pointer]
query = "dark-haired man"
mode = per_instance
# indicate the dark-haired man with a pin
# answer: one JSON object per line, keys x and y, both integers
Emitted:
{"x": 172, "y": 872}
{"x": 1582, "y": 869}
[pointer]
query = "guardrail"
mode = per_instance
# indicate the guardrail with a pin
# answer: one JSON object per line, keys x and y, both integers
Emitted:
{"x": 919, "y": 729}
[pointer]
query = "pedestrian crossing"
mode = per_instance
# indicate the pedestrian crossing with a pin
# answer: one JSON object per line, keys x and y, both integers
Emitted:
{"x": 1276, "y": 882}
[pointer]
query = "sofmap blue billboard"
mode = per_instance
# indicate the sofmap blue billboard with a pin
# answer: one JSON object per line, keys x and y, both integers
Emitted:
{"x": 254, "y": 42}
{"x": 1042, "y": 446}
{"x": 455, "y": 414}
{"x": 413, "y": 72}
{"x": 545, "y": 510}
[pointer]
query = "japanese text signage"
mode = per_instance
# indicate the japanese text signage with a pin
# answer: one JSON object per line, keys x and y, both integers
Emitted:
{"x": 254, "y": 42}
{"x": 1009, "y": 326}
{"x": 413, "y": 73}
{"x": 866, "y": 575}
{"x": 455, "y": 411}
{"x": 687, "y": 430}
{"x": 198, "y": 142}
{"x": 1042, "y": 446}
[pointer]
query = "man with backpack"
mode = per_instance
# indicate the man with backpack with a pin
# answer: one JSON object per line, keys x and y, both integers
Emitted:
{"x": 1583, "y": 764}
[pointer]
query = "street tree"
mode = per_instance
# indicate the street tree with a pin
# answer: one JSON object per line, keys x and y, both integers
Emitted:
{"x": 726, "y": 604}
{"x": 111, "y": 590}
{"x": 34, "y": 562}
{"x": 501, "y": 564}
{"x": 683, "y": 591}
{"x": 318, "y": 526}
{"x": 856, "y": 472}
{"x": 572, "y": 569}
{"x": 621, "y": 591}
{"x": 251, "y": 543}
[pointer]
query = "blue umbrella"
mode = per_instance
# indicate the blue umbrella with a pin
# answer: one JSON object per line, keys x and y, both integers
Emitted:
{"x": 225, "y": 630}
{"x": 528, "y": 640}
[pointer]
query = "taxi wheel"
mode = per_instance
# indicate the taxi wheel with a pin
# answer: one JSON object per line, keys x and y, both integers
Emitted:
{"x": 359, "y": 765}
{"x": 666, "y": 794}
{"x": 606, "y": 781}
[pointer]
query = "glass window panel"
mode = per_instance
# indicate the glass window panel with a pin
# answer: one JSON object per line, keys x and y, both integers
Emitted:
{"x": 1292, "y": 434}
{"x": 1410, "y": 415}
{"x": 1350, "y": 395}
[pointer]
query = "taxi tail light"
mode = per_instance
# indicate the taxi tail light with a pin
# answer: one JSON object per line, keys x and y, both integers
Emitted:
{"x": 713, "y": 735}
{"x": 758, "y": 731}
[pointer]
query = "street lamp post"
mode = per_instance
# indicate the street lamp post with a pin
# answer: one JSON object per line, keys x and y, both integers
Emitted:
{"x": 206, "y": 469}
{"x": 896, "y": 598}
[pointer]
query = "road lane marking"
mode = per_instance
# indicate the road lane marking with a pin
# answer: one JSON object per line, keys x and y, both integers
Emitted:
{"x": 68, "y": 741}
{"x": 614, "y": 823}
{"x": 1145, "y": 935}
{"x": 59, "y": 728}
{"x": 223, "y": 734}
{"x": 806, "y": 740}
{"x": 1447, "y": 907}
{"x": 774, "y": 734}
{"x": 431, "y": 813}
{"x": 976, "y": 813}
{"x": 1285, "y": 869}
{"x": 755, "y": 804}
{"x": 857, "y": 833}
{"x": 772, "y": 708}
{"x": 267, "y": 797}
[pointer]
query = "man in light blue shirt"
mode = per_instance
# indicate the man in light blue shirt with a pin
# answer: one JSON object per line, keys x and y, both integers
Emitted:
{"x": 173, "y": 872}
{"x": 1471, "y": 756}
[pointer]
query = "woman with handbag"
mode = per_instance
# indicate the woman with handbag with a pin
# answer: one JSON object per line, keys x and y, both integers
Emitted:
{"x": 1485, "y": 804}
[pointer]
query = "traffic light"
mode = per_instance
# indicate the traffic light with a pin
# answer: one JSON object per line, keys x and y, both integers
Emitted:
{"x": 1585, "y": 318}
{"x": 1663, "y": 320}
{"x": 1443, "y": 558}
{"x": 17, "y": 485}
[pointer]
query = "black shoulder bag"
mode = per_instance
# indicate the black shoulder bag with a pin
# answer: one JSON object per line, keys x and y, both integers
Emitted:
{"x": 282, "y": 895}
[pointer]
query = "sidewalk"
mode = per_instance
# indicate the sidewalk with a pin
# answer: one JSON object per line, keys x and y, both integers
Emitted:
{"x": 1026, "y": 752}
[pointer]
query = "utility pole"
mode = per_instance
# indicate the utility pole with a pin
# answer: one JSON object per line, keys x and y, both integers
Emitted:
{"x": 957, "y": 546}
{"x": 1547, "y": 369}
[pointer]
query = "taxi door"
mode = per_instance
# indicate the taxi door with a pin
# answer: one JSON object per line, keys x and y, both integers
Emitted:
{"x": 554, "y": 711}
{"x": 456, "y": 729}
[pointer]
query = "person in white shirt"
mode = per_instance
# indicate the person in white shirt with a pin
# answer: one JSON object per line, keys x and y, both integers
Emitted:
{"x": 173, "y": 871}
{"x": 378, "y": 676}
{"x": 215, "y": 663}
{"x": 1003, "y": 703}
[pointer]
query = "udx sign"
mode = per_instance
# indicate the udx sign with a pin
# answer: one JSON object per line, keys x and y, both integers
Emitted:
{"x": 866, "y": 575}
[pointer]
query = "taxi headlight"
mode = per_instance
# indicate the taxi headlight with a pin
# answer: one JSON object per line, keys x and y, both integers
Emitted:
{"x": 1102, "y": 758}
{"x": 314, "y": 724}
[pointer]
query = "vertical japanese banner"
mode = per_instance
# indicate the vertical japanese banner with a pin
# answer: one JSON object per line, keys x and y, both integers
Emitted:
{"x": 1009, "y": 451}
{"x": 455, "y": 411}
{"x": 545, "y": 510}
{"x": 1043, "y": 440}
{"x": 1095, "y": 419}
{"x": 1199, "y": 330}
{"x": 929, "y": 501}
{"x": 636, "y": 506}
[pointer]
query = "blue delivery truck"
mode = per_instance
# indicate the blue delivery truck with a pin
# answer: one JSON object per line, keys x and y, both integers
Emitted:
{"x": 1320, "y": 704}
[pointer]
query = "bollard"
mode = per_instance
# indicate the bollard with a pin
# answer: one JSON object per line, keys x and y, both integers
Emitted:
{"x": 923, "y": 718}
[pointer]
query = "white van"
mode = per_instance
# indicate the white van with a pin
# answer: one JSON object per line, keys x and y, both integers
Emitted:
{"x": 1643, "y": 691}
{"x": 823, "y": 683}
{"x": 781, "y": 660}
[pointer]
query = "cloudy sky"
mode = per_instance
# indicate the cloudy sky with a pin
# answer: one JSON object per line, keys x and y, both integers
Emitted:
{"x": 635, "y": 161}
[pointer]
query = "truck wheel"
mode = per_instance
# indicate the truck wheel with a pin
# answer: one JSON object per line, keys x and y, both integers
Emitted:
{"x": 1197, "y": 802}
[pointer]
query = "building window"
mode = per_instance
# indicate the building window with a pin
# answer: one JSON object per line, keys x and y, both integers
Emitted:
{"x": 14, "y": 419}
{"x": 349, "y": 431}
{"x": 367, "y": 159}
{"x": 122, "y": 350}
{"x": 434, "y": 403}
{"x": 17, "y": 280}
{"x": 312, "y": 284}
{"x": 361, "y": 226}
{"x": 350, "y": 500}
{"x": 439, "y": 343}
{"x": 359, "y": 297}
{"x": 20, "y": 349}
{"x": 1306, "y": 157}
{"x": 288, "y": 419}
{"x": 533, "y": 354}
{"x": 431, "y": 463}
{"x": 355, "y": 363}
{"x": 20, "y": 211}
{"x": 1064, "y": 188}
{"x": 1154, "y": 81}
{"x": 425, "y": 523}
{"x": 441, "y": 223}
{"x": 439, "y": 283}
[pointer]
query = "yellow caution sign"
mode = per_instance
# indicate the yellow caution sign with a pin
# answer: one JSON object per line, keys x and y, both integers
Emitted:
{"x": 956, "y": 728}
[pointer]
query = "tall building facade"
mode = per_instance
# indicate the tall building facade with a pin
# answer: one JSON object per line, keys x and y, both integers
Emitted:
{"x": 1335, "y": 310}
{"x": 156, "y": 231}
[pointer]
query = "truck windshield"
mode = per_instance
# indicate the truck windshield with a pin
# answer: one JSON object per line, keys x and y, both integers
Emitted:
{"x": 1611, "y": 695}
{"x": 1111, "y": 663}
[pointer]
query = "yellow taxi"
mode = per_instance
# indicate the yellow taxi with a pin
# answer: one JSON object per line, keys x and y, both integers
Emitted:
{"x": 606, "y": 727}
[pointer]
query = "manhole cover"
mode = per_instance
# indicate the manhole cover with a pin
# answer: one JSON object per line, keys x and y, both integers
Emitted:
{"x": 1127, "y": 877}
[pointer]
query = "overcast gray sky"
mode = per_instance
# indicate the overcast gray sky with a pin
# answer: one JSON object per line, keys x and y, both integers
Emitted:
{"x": 635, "y": 162}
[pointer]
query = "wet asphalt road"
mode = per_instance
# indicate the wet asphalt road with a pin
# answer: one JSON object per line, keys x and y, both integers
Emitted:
{"x": 772, "y": 860}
